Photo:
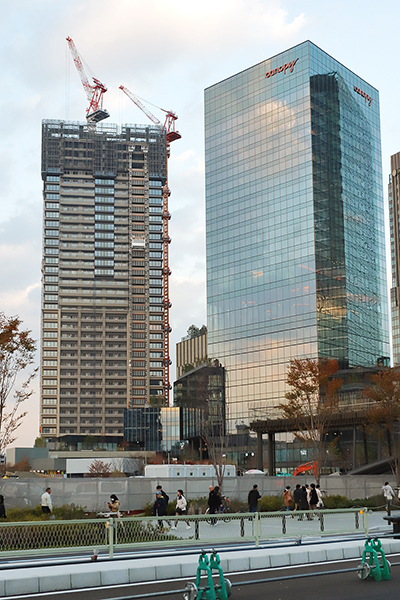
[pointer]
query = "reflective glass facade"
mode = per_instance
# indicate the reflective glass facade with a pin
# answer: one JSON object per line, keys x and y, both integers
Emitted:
{"x": 295, "y": 224}
{"x": 394, "y": 205}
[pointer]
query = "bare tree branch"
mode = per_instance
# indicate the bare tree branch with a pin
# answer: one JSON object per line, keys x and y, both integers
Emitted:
{"x": 17, "y": 350}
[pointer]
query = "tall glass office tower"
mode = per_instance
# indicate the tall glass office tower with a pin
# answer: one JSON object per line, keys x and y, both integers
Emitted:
{"x": 295, "y": 224}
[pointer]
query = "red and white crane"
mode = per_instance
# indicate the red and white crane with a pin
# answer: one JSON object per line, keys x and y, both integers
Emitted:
{"x": 172, "y": 135}
{"x": 169, "y": 123}
{"x": 94, "y": 92}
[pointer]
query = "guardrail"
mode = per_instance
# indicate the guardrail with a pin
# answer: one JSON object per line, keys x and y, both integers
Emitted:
{"x": 96, "y": 535}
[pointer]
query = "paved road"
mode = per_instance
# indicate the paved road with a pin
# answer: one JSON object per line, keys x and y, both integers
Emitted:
{"x": 337, "y": 586}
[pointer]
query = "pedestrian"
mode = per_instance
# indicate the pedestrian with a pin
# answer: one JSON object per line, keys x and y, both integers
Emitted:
{"x": 308, "y": 495}
{"x": 253, "y": 498}
{"x": 166, "y": 498}
{"x": 181, "y": 508}
{"x": 47, "y": 503}
{"x": 2, "y": 508}
{"x": 303, "y": 504}
{"x": 313, "y": 498}
{"x": 288, "y": 498}
{"x": 297, "y": 496}
{"x": 114, "y": 505}
{"x": 214, "y": 502}
{"x": 319, "y": 494}
{"x": 164, "y": 494}
{"x": 388, "y": 495}
{"x": 160, "y": 509}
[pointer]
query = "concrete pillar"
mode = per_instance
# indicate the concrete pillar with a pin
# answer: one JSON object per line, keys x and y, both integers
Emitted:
{"x": 365, "y": 446}
{"x": 260, "y": 464}
{"x": 271, "y": 454}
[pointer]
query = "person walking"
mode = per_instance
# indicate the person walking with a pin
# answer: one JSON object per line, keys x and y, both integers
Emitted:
{"x": 160, "y": 509}
{"x": 388, "y": 494}
{"x": 2, "y": 508}
{"x": 303, "y": 504}
{"x": 181, "y": 508}
{"x": 313, "y": 503}
{"x": 166, "y": 498}
{"x": 297, "y": 496}
{"x": 214, "y": 502}
{"x": 319, "y": 494}
{"x": 47, "y": 503}
{"x": 253, "y": 498}
{"x": 288, "y": 498}
{"x": 114, "y": 505}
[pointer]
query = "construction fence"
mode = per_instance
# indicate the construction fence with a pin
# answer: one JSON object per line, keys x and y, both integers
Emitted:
{"x": 135, "y": 492}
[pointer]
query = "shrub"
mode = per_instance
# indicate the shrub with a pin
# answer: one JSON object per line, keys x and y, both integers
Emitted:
{"x": 61, "y": 513}
{"x": 270, "y": 503}
{"x": 337, "y": 501}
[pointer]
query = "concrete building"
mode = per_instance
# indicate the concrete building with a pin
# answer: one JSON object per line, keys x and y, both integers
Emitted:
{"x": 394, "y": 206}
{"x": 190, "y": 351}
{"x": 295, "y": 224}
{"x": 102, "y": 302}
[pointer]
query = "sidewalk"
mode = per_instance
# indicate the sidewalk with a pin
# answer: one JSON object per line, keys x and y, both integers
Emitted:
{"x": 135, "y": 570}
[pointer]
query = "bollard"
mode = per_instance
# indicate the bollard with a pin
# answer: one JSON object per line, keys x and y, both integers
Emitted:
{"x": 221, "y": 591}
{"x": 374, "y": 562}
{"x": 241, "y": 526}
{"x": 224, "y": 588}
{"x": 196, "y": 529}
{"x": 321, "y": 521}
{"x": 208, "y": 592}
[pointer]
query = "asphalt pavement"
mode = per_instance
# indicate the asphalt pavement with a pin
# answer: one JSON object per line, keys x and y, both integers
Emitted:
{"x": 335, "y": 580}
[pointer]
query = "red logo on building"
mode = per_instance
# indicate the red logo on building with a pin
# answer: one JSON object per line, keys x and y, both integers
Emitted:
{"x": 282, "y": 68}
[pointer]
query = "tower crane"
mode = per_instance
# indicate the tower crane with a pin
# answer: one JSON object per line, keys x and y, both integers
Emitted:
{"x": 94, "y": 92}
{"x": 171, "y": 135}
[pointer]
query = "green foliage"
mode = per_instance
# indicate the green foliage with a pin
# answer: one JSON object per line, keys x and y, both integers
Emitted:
{"x": 40, "y": 442}
{"x": 377, "y": 501}
{"x": 194, "y": 331}
{"x": 69, "y": 512}
{"x": 61, "y": 513}
{"x": 337, "y": 501}
{"x": 270, "y": 503}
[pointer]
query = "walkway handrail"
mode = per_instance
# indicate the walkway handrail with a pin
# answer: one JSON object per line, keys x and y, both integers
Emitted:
{"x": 108, "y": 535}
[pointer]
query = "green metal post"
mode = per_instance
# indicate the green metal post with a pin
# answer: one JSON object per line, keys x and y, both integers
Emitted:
{"x": 110, "y": 525}
{"x": 221, "y": 591}
{"x": 365, "y": 516}
{"x": 256, "y": 528}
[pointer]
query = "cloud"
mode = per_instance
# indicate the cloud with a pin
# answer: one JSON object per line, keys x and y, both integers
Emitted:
{"x": 167, "y": 52}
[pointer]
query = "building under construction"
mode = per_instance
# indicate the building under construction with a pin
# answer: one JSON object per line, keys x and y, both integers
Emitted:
{"x": 105, "y": 277}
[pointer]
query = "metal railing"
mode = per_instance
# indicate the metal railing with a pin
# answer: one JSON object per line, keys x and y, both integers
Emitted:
{"x": 52, "y": 537}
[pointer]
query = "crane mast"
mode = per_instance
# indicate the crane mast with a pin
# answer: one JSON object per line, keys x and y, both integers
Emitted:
{"x": 94, "y": 93}
{"x": 171, "y": 135}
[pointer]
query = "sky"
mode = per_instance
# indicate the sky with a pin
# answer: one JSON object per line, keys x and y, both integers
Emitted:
{"x": 167, "y": 52}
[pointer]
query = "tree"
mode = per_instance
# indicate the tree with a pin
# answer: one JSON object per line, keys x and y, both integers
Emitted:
{"x": 385, "y": 411}
{"x": 17, "y": 350}
{"x": 22, "y": 465}
{"x": 311, "y": 401}
{"x": 211, "y": 398}
{"x": 40, "y": 442}
{"x": 99, "y": 469}
{"x": 194, "y": 331}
